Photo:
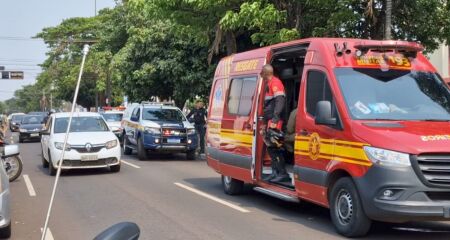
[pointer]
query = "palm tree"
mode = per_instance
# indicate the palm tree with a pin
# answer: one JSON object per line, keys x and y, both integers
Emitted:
{"x": 388, "y": 23}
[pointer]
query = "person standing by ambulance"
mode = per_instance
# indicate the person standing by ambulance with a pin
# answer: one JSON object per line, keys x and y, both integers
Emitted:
{"x": 199, "y": 113}
{"x": 274, "y": 102}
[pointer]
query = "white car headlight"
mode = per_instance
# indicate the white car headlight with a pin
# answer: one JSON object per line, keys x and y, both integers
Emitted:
{"x": 111, "y": 144}
{"x": 191, "y": 131}
{"x": 387, "y": 158}
{"x": 23, "y": 130}
{"x": 60, "y": 145}
{"x": 152, "y": 130}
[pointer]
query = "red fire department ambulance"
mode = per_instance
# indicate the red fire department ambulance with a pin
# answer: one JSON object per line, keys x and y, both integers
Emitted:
{"x": 372, "y": 132}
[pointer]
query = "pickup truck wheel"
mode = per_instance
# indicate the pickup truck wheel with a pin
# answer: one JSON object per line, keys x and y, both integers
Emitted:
{"x": 142, "y": 153}
{"x": 190, "y": 155}
{"x": 44, "y": 162}
{"x": 346, "y": 209}
{"x": 232, "y": 186}
{"x": 126, "y": 150}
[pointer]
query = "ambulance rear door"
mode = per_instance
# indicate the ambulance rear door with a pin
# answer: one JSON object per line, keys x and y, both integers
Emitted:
{"x": 237, "y": 133}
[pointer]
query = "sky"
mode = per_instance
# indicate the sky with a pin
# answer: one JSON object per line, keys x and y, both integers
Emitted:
{"x": 22, "y": 19}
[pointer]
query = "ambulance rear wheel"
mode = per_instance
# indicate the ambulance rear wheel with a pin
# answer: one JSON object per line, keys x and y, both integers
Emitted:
{"x": 232, "y": 186}
{"x": 346, "y": 209}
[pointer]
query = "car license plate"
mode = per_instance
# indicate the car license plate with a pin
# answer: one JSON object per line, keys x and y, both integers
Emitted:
{"x": 173, "y": 140}
{"x": 34, "y": 135}
{"x": 89, "y": 157}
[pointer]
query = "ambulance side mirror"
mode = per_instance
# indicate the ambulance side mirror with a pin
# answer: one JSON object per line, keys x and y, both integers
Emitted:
{"x": 323, "y": 114}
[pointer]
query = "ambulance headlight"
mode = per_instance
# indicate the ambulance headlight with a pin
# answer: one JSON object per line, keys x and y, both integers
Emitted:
{"x": 385, "y": 157}
{"x": 152, "y": 130}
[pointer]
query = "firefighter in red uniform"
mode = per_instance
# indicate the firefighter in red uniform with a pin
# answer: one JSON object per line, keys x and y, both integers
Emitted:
{"x": 274, "y": 102}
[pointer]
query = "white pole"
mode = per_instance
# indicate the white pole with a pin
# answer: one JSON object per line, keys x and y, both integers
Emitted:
{"x": 58, "y": 172}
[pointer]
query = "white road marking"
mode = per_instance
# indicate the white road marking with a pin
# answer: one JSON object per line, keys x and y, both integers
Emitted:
{"x": 216, "y": 199}
{"x": 29, "y": 185}
{"x": 49, "y": 235}
{"x": 130, "y": 164}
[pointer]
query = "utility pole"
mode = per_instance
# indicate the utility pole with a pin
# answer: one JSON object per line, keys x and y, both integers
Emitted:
{"x": 51, "y": 96}
{"x": 96, "y": 92}
{"x": 388, "y": 23}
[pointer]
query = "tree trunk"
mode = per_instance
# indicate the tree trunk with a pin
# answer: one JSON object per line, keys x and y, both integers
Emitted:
{"x": 230, "y": 41}
{"x": 388, "y": 22}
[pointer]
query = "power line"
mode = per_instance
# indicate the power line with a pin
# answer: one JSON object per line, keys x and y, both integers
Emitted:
{"x": 21, "y": 64}
{"x": 12, "y": 38}
{"x": 21, "y": 60}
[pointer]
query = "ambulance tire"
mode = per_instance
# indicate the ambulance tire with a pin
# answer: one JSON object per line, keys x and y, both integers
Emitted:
{"x": 232, "y": 186}
{"x": 142, "y": 152}
{"x": 346, "y": 210}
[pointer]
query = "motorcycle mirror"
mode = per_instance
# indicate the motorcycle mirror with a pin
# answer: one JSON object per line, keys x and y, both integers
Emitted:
{"x": 11, "y": 150}
{"x": 120, "y": 231}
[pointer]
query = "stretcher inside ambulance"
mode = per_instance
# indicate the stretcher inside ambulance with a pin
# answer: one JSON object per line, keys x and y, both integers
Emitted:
{"x": 372, "y": 130}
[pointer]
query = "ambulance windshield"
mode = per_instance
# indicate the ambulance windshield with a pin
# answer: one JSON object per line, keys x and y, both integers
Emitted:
{"x": 373, "y": 94}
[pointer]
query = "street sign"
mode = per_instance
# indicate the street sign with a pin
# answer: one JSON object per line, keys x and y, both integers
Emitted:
{"x": 13, "y": 75}
{"x": 5, "y": 75}
{"x": 16, "y": 75}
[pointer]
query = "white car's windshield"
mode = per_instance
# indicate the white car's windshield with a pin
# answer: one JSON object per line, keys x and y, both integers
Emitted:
{"x": 113, "y": 117}
{"x": 80, "y": 124}
{"x": 394, "y": 95}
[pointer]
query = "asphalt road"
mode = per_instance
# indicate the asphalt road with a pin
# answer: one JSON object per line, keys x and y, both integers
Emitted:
{"x": 162, "y": 196}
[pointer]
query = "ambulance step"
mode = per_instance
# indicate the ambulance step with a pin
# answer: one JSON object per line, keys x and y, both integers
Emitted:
{"x": 278, "y": 195}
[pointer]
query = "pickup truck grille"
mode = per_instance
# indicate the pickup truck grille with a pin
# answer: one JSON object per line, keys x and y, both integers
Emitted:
{"x": 173, "y": 132}
{"x": 434, "y": 169}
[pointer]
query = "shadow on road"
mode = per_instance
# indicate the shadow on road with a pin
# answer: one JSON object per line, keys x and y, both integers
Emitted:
{"x": 316, "y": 217}
{"x": 167, "y": 157}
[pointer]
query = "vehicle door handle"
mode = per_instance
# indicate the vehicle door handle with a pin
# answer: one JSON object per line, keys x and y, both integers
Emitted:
{"x": 261, "y": 118}
{"x": 304, "y": 132}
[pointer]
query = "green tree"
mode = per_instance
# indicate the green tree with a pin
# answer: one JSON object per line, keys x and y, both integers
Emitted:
{"x": 2, "y": 107}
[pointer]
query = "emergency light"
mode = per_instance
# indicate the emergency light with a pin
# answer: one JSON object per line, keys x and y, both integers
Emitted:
{"x": 409, "y": 49}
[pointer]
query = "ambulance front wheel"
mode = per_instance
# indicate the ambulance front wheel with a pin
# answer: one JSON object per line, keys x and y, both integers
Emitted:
{"x": 232, "y": 186}
{"x": 346, "y": 209}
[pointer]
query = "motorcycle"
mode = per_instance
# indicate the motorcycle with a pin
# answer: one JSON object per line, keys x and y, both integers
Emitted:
{"x": 12, "y": 162}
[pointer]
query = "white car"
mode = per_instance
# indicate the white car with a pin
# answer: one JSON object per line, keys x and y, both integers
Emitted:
{"x": 114, "y": 121}
{"x": 91, "y": 144}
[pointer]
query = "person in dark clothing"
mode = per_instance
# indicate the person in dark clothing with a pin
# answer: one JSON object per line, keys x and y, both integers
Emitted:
{"x": 274, "y": 102}
{"x": 199, "y": 114}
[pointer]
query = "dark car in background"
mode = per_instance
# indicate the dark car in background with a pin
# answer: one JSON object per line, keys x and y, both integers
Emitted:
{"x": 15, "y": 120}
{"x": 31, "y": 127}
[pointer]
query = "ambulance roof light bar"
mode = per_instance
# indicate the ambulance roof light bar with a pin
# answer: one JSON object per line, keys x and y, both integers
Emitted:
{"x": 408, "y": 48}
